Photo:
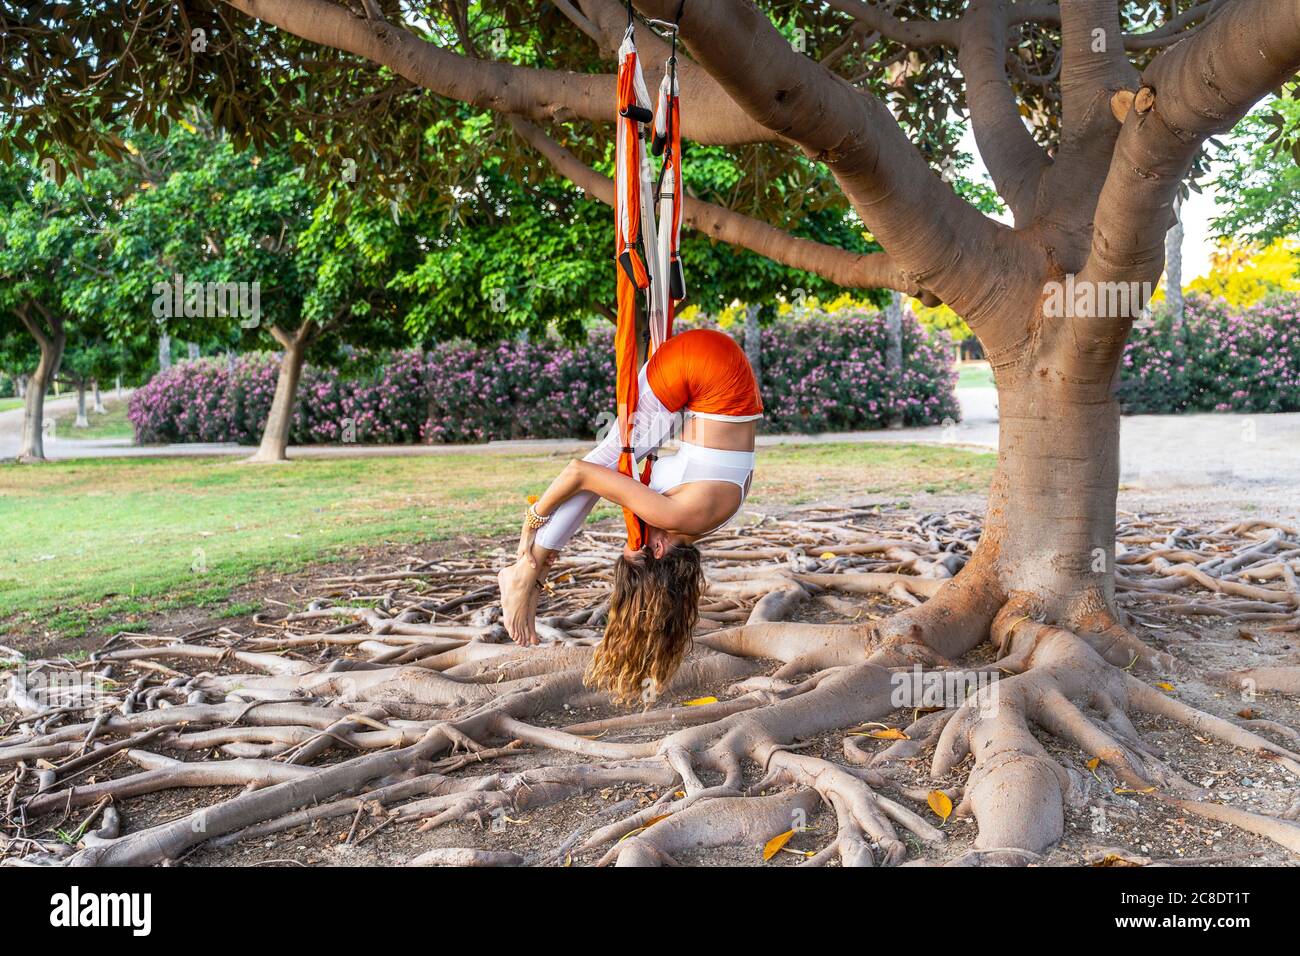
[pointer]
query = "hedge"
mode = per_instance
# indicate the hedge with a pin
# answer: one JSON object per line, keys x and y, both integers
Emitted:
{"x": 819, "y": 374}
{"x": 1219, "y": 359}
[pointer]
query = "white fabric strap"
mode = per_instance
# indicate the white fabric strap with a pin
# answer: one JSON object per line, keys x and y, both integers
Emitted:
{"x": 654, "y": 244}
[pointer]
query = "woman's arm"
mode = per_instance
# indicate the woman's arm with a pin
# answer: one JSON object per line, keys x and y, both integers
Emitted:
{"x": 652, "y": 507}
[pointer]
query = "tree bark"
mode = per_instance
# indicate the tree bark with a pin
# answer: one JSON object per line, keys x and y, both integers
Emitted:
{"x": 31, "y": 447}
{"x": 279, "y": 423}
{"x": 852, "y": 270}
{"x": 164, "y": 351}
{"x": 1174, "y": 266}
{"x": 98, "y": 406}
{"x": 193, "y": 350}
{"x": 82, "y": 421}
{"x": 1015, "y": 162}
{"x": 539, "y": 94}
{"x": 1050, "y": 525}
{"x": 894, "y": 348}
{"x": 20, "y": 385}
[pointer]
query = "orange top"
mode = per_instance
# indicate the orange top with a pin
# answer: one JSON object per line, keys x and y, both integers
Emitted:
{"x": 705, "y": 371}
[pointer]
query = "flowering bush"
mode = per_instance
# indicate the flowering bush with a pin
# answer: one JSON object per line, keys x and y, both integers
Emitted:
{"x": 1221, "y": 359}
{"x": 818, "y": 375}
{"x": 829, "y": 375}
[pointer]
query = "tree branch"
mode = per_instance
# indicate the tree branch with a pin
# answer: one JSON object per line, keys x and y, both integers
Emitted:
{"x": 539, "y": 94}
{"x": 1173, "y": 29}
{"x": 1094, "y": 66}
{"x": 852, "y": 270}
{"x": 1014, "y": 160}
{"x": 703, "y": 94}
{"x": 1198, "y": 88}
{"x": 907, "y": 32}
{"x": 923, "y": 33}
{"x": 923, "y": 225}
{"x": 32, "y": 327}
{"x": 578, "y": 19}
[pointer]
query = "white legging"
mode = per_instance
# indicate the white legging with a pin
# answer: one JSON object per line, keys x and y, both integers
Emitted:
{"x": 652, "y": 425}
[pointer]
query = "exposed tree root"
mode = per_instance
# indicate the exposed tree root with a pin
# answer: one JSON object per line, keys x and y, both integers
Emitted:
{"x": 394, "y": 701}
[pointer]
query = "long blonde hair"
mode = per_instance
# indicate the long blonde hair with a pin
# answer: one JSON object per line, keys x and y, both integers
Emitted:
{"x": 652, "y": 613}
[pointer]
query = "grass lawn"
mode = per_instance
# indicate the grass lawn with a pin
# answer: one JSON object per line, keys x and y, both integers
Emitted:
{"x": 92, "y": 543}
{"x": 975, "y": 375}
{"x": 10, "y": 403}
{"x": 111, "y": 424}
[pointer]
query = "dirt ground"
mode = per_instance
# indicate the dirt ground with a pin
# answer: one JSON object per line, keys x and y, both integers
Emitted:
{"x": 1109, "y": 827}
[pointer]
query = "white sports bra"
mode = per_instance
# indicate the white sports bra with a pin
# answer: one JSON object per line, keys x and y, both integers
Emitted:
{"x": 697, "y": 463}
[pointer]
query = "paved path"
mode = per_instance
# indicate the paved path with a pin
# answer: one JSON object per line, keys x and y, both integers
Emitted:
{"x": 1250, "y": 456}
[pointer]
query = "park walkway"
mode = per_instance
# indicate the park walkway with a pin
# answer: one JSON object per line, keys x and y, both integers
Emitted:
{"x": 1158, "y": 452}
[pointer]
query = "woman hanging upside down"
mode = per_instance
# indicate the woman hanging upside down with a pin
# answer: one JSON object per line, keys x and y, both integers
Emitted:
{"x": 655, "y": 602}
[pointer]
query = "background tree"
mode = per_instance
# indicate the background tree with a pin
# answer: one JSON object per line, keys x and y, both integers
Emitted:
{"x": 309, "y": 271}
{"x": 1243, "y": 274}
{"x": 50, "y": 228}
{"x": 1258, "y": 182}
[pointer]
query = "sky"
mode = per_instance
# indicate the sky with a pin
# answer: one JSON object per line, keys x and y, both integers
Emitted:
{"x": 1198, "y": 209}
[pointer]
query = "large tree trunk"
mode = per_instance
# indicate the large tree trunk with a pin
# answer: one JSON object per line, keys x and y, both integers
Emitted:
{"x": 275, "y": 437}
{"x": 99, "y": 399}
{"x": 20, "y": 384}
{"x": 164, "y": 351}
{"x": 1051, "y": 510}
{"x": 32, "y": 445}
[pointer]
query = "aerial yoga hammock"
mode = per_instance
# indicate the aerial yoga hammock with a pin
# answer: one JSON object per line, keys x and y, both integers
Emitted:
{"x": 702, "y": 369}
{"x": 700, "y": 376}
{"x": 634, "y": 213}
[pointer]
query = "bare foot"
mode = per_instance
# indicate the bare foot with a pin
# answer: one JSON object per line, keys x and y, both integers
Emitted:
{"x": 518, "y": 604}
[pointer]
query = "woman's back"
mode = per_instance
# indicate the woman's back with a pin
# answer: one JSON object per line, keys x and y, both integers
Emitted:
{"x": 705, "y": 373}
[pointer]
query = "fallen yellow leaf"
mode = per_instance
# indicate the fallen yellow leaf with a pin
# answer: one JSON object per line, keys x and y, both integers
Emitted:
{"x": 641, "y": 829}
{"x": 1094, "y": 763}
{"x": 773, "y": 846}
{"x": 941, "y": 804}
{"x": 827, "y": 555}
{"x": 1164, "y": 685}
{"x": 888, "y": 733}
{"x": 1127, "y": 790}
{"x": 701, "y": 701}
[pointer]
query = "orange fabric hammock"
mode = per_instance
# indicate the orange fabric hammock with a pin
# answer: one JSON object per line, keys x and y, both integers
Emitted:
{"x": 634, "y": 222}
